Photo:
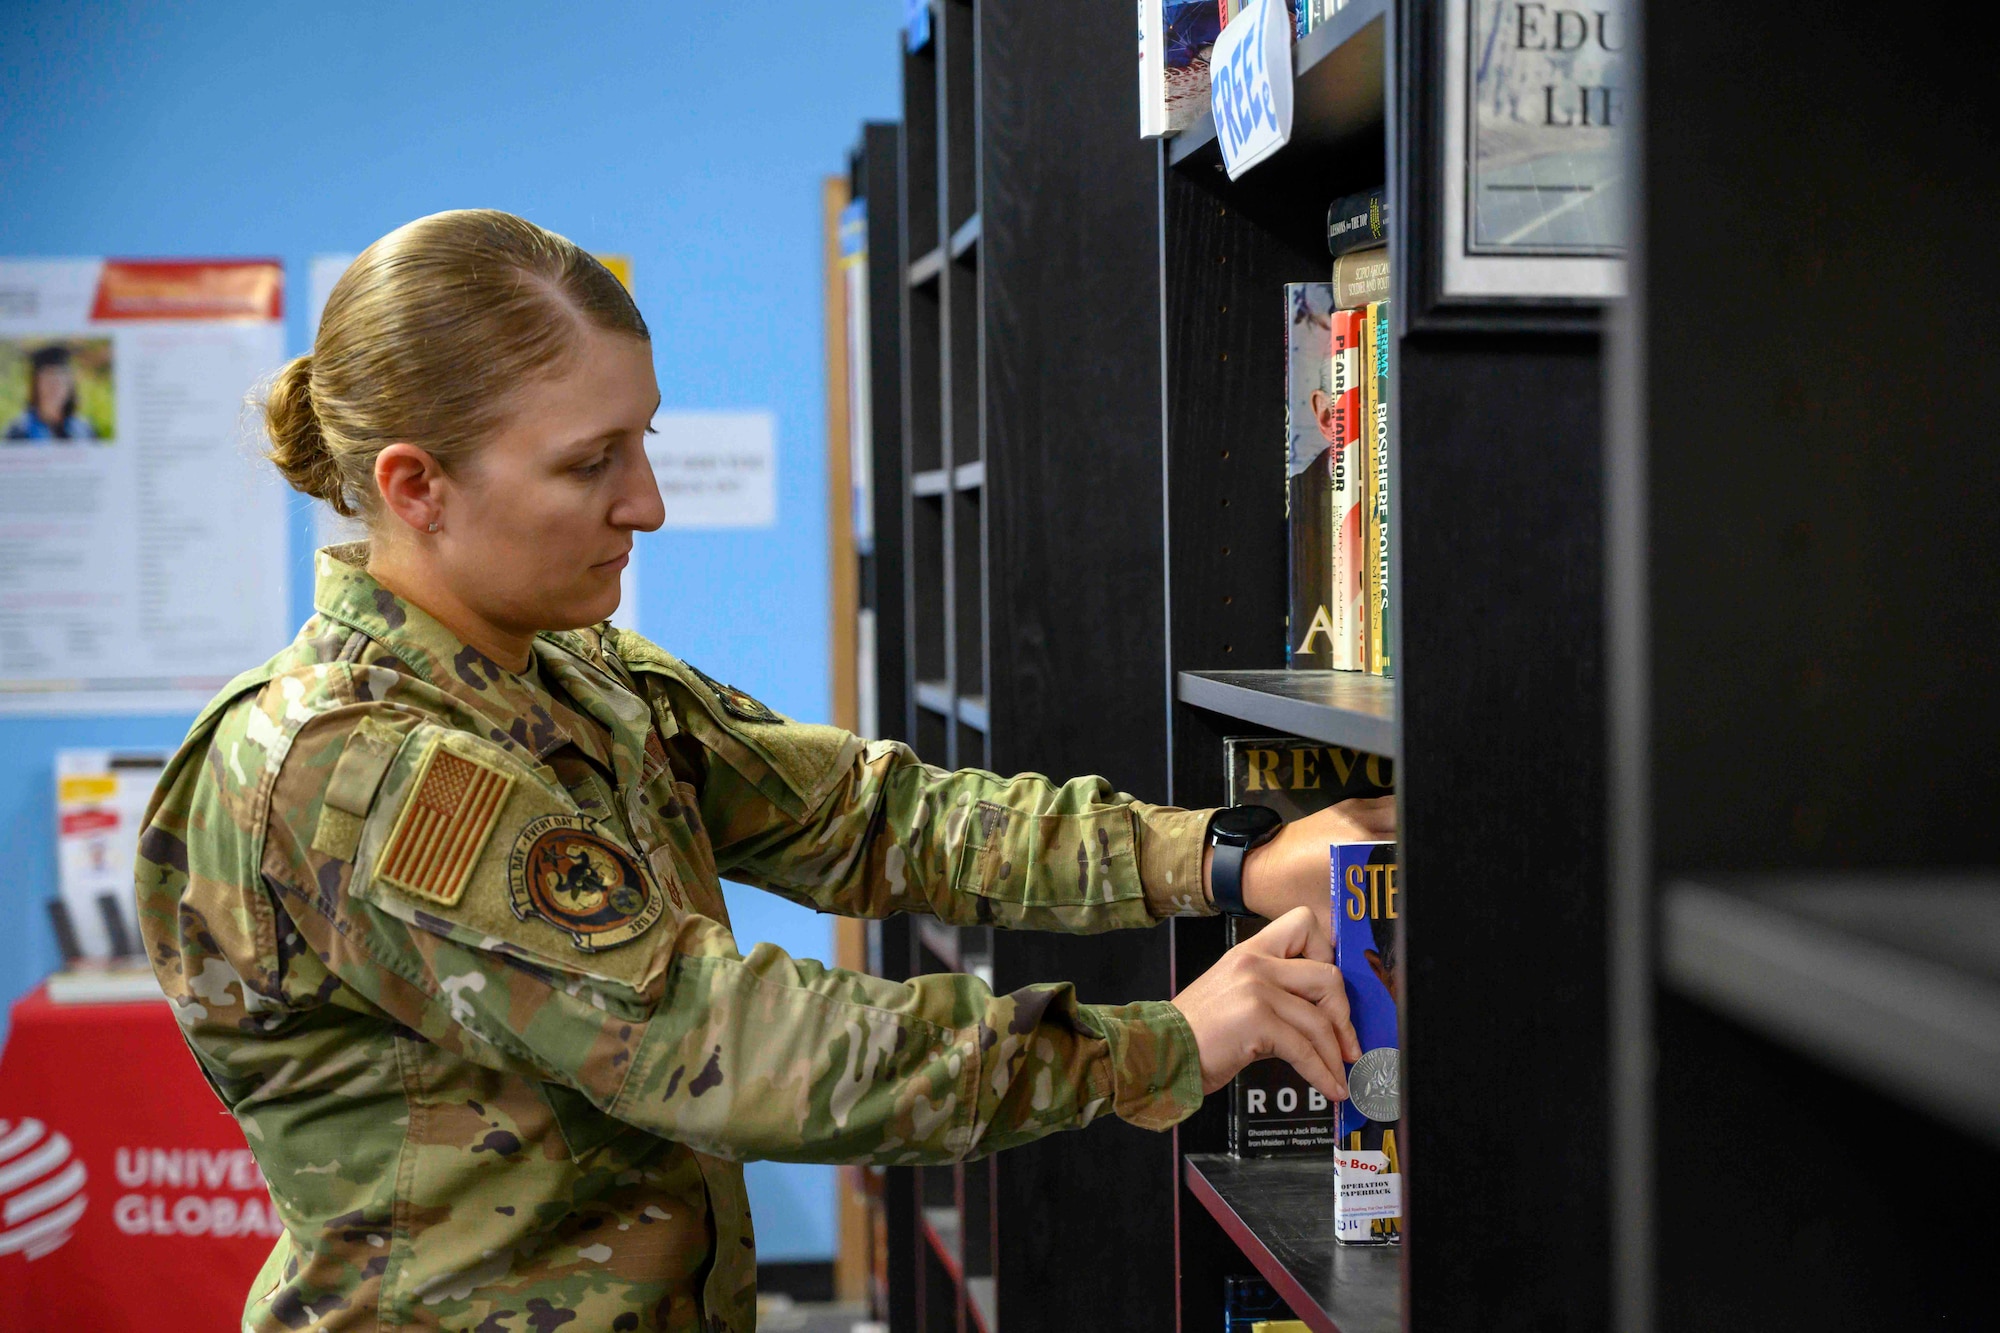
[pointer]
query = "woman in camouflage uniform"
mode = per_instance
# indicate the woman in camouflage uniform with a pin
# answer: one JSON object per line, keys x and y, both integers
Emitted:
{"x": 435, "y": 891}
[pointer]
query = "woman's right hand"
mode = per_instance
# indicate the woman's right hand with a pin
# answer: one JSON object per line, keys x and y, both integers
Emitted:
{"x": 1276, "y": 994}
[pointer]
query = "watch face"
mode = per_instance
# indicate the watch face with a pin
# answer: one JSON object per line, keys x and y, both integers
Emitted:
{"x": 1245, "y": 824}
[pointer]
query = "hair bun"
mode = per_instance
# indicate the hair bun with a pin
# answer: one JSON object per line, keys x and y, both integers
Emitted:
{"x": 298, "y": 444}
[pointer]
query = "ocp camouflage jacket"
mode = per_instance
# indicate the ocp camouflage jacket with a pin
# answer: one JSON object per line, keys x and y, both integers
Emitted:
{"x": 450, "y": 943}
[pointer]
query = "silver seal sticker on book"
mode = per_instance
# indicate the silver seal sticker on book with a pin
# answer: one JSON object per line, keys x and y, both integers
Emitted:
{"x": 1375, "y": 1084}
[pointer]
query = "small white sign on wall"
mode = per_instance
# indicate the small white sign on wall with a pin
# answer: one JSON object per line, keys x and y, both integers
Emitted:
{"x": 716, "y": 469}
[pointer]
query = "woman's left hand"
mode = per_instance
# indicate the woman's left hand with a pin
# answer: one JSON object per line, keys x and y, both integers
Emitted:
{"x": 1292, "y": 870}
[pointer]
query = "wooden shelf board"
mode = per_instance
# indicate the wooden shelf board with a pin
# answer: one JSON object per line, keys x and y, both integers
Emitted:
{"x": 926, "y": 267}
{"x": 1348, "y": 708}
{"x": 933, "y": 481}
{"x": 1280, "y": 1214}
{"x": 1328, "y": 101}
{"x": 1892, "y": 979}
{"x": 966, "y": 237}
{"x": 934, "y": 696}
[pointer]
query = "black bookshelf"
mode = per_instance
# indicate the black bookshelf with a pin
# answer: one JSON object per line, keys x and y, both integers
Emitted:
{"x": 1095, "y": 576}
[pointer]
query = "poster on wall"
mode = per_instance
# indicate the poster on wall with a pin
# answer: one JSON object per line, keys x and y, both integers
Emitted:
{"x": 142, "y": 539}
{"x": 1535, "y": 119}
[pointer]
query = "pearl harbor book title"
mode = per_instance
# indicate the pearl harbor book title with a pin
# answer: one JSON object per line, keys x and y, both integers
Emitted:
{"x": 1272, "y": 1111}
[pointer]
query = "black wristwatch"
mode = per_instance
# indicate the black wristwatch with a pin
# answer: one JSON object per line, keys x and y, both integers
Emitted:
{"x": 1232, "y": 832}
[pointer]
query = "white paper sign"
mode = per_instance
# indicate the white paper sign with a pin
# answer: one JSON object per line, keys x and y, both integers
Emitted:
{"x": 100, "y": 804}
{"x": 142, "y": 540}
{"x": 1250, "y": 85}
{"x": 1368, "y": 1189}
{"x": 716, "y": 469}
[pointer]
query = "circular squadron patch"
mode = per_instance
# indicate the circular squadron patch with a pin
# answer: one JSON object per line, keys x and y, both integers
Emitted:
{"x": 579, "y": 881}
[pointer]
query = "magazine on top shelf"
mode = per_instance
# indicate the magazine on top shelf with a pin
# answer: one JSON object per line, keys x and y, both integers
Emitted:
{"x": 1175, "y": 37}
{"x": 1272, "y": 1111}
{"x": 1310, "y": 432}
{"x": 1367, "y": 946}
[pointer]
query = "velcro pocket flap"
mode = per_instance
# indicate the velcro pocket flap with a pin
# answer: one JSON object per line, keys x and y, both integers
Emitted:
{"x": 357, "y": 775}
{"x": 794, "y": 764}
{"x": 1046, "y": 860}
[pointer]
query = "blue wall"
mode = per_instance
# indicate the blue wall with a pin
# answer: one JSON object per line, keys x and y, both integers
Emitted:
{"x": 690, "y": 137}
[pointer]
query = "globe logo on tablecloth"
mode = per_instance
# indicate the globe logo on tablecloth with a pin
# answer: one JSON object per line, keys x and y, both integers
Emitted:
{"x": 41, "y": 1189}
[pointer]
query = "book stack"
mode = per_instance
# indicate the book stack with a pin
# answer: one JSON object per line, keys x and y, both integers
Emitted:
{"x": 1337, "y": 497}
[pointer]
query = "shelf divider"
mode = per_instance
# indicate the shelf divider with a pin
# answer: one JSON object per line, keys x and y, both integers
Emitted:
{"x": 935, "y": 696}
{"x": 1280, "y": 1214}
{"x": 965, "y": 237}
{"x": 1893, "y": 980}
{"x": 926, "y": 267}
{"x": 1349, "y": 708}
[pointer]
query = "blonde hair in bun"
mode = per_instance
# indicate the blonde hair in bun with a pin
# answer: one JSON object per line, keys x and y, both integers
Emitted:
{"x": 423, "y": 341}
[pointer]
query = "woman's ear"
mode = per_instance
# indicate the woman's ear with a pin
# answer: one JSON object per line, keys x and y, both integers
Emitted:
{"x": 411, "y": 485}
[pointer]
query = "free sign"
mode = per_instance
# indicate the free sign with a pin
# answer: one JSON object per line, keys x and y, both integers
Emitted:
{"x": 1250, "y": 85}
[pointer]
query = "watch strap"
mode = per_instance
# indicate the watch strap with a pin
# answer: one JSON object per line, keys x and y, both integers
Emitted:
{"x": 1225, "y": 878}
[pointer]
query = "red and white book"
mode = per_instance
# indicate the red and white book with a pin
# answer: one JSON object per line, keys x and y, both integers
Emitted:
{"x": 1350, "y": 487}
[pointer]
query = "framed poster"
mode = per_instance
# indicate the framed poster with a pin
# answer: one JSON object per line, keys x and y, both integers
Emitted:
{"x": 143, "y": 542}
{"x": 1530, "y": 207}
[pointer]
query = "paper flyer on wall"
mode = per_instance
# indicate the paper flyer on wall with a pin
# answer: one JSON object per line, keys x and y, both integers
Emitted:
{"x": 101, "y": 800}
{"x": 143, "y": 552}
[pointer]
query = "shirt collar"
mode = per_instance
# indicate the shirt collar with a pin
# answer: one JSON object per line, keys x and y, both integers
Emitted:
{"x": 515, "y": 707}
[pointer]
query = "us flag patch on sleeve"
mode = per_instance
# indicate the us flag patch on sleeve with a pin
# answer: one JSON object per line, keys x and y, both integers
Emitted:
{"x": 444, "y": 826}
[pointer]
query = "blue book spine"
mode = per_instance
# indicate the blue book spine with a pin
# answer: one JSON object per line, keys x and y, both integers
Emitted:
{"x": 1367, "y": 947}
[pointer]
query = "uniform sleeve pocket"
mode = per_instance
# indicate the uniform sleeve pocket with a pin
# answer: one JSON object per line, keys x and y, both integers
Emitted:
{"x": 1055, "y": 860}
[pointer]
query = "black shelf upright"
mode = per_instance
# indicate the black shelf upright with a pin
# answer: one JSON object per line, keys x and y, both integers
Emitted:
{"x": 1803, "y": 562}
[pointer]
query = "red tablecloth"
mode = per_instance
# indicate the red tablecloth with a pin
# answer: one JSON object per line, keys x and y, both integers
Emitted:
{"x": 127, "y": 1197}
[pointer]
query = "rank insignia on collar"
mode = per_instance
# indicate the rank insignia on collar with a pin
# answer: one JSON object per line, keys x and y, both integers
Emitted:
{"x": 735, "y": 702}
{"x": 565, "y": 872}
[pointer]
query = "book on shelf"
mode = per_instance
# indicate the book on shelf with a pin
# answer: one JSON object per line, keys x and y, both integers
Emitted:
{"x": 1311, "y": 638}
{"x": 1381, "y": 657}
{"x": 1357, "y": 222}
{"x": 1361, "y": 276}
{"x": 1309, "y": 14}
{"x": 1367, "y": 946}
{"x": 1350, "y": 474}
{"x": 1175, "y": 37}
{"x": 1248, "y": 1302}
{"x": 1272, "y": 1111}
